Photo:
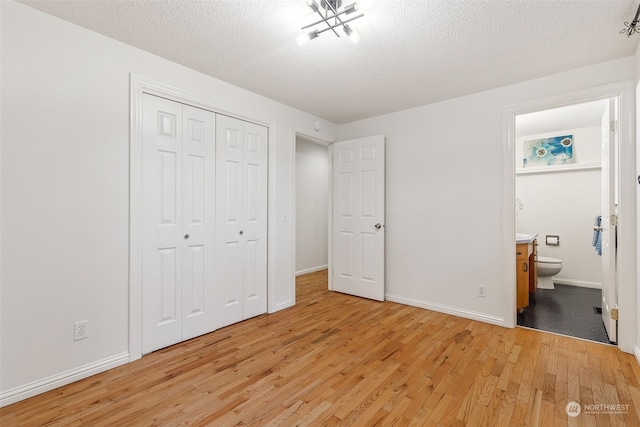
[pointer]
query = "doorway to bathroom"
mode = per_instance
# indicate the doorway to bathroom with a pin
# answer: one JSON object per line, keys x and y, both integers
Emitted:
{"x": 566, "y": 170}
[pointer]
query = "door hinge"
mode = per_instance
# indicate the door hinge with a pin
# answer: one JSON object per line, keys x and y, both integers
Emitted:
{"x": 614, "y": 220}
{"x": 614, "y": 313}
{"x": 613, "y": 125}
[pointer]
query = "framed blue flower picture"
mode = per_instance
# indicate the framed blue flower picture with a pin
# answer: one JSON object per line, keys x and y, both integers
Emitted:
{"x": 557, "y": 150}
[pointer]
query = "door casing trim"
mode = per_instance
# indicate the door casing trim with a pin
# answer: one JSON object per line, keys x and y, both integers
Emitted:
{"x": 626, "y": 265}
{"x": 321, "y": 139}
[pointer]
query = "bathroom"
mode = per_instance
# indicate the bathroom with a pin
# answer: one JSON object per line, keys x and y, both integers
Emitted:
{"x": 560, "y": 202}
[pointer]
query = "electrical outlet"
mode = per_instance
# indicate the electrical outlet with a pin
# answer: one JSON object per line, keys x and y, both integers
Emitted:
{"x": 482, "y": 291}
{"x": 80, "y": 330}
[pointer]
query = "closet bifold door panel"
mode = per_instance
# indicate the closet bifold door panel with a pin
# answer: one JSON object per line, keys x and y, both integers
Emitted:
{"x": 198, "y": 207}
{"x": 178, "y": 185}
{"x": 241, "y": 218}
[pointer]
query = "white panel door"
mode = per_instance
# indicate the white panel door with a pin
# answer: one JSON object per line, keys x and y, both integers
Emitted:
{"x": 178, "y": 222}
{"x": 241, "y": 215}
{"x": 162, "y": 223}
{"x": 609, "y": 287}
{"x": 358, "y": 217}
{"x": 229, "y": 218}
{"x": 198, "y": 225}
{"x": 255, "y": 221}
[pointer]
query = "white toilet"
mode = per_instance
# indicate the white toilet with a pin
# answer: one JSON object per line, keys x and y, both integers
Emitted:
{"x": 547, "y": 268}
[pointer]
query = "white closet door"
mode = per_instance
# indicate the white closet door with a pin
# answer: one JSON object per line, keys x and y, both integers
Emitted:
{"x": 162, "y": 223}
{"x": 255, "y": 216}
{"x": 198, "y": 227}
{"x": 241, "y": 218}
{"x": 178, "y": 223}
{"x": 229, "y": 218}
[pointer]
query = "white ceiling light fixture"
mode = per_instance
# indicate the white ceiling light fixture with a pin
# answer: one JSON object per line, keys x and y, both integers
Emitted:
{"x": 332, "y": 17}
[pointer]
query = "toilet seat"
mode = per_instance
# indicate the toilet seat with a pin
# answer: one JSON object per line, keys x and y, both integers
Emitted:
{"x": 548, "y": 260}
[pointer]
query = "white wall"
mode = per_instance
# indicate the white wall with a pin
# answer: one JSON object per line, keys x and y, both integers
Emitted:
{"x": 637, "y": 79}
{"x": 312, "y": 180}
{"x": 445, "y": 192}
{"x": 65, "y": 193}
{"x": 565, "y": 203}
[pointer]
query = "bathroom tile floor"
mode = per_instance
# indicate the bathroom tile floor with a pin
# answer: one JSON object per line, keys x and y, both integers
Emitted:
{"x": 567, "y": 310}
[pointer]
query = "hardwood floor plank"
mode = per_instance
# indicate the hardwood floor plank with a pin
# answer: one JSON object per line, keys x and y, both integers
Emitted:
{"x": 635, "y": 406}
{"x": 507, "y": 405}
{"x": 338, "y": 360}
{"x": 561, "y": 398}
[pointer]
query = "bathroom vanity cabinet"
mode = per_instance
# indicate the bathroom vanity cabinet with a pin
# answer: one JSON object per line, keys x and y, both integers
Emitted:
{"x": 526, "y": 274}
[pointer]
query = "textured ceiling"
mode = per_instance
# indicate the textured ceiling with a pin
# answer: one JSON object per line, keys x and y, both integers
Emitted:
{"x": 411, "y": 52}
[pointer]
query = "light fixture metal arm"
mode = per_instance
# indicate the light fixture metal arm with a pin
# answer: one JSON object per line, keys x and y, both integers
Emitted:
{"x": 342, "y": 23}
{"x": 335, "y": 15}
{"x": 326, "y": 19}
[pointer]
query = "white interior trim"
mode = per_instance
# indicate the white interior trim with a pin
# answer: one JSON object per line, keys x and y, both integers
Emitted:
{"x": 138, "y": 86}
{"x": 321, "y": 139}
{"x": 63, "y": 378}
{"x": 508, "y": 215}
{"x": 559, "y": 168}
{"x": 312, "y": 270}
{"x": 626, "y": 267}
{"x": 440, "y": 308}
{"x": 577, "y": 283}
{"x": 330, "y": 219}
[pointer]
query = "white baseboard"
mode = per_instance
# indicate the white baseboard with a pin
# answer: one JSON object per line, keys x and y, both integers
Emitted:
{"x": 579, "y": 283}
{"x": 46, "y": 384}
{"x": 311, "y": 270}
{"x": 636, "y": 353}
{"x": 494, "y": 320}
{"x": 282, "y": 305}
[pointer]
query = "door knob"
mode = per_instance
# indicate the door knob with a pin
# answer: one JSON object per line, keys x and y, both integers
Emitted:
{"x": 378, "y": 226}
{"x": 186, "y": 237}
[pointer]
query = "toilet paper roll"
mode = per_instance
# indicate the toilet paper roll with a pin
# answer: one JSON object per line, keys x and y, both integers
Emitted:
{"x": 552, "y": 240}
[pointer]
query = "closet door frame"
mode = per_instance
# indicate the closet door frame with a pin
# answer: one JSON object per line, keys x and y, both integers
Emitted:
{"x": 138, "y": 86}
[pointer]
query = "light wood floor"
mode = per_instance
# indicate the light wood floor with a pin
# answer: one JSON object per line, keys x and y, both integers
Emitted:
{"x": 334, "y": 359}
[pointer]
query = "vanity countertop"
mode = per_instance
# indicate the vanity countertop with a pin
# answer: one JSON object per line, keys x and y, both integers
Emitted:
{"x": 524, "y": 238}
